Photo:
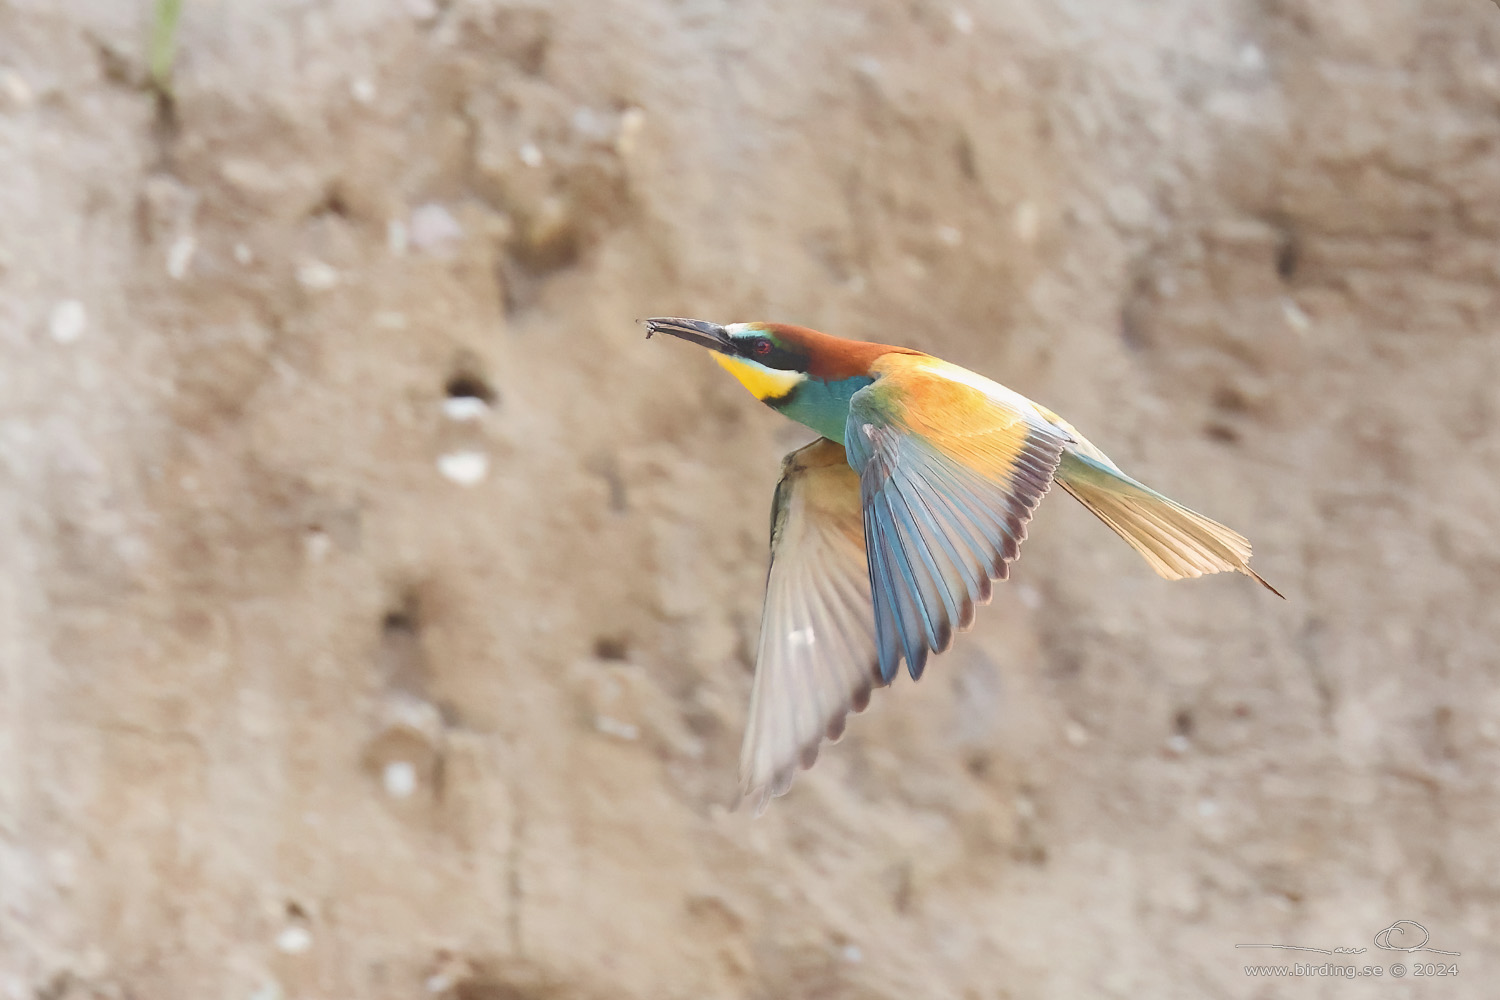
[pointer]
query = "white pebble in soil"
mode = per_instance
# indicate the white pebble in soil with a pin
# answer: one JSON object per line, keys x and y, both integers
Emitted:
{"x": 397, "y": 238}
{"x": 1296, "y": 318}
{"x": 614, "y": 727}
{"x": 1031, "y": 598}
{"x": 464, "y": 408}
{"x": 466, "y": 468}
{"x": 317, "y": 545}
{"x": 67, "y": 321}
{"x": 180, "y": 256}
{"x": 294, "y": 940}
{"x": 400, "y": 779}
{"x": 631, "y": 123}
{"x": 317, "y": 276}
{"x": 362, "y": 89}
{"x": 433, "y": 227}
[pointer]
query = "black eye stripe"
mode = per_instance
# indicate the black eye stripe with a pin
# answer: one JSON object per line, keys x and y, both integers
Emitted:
{"x": 764, "y": 350}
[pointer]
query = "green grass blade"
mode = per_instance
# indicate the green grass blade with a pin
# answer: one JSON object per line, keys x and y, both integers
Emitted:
{"x": 164, "y": 44}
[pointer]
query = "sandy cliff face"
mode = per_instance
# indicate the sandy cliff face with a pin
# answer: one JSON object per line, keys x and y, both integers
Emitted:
{"x": 310, "y": 689}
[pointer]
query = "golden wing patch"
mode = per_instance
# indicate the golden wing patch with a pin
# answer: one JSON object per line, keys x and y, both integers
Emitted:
{"x": 951, "y": 467}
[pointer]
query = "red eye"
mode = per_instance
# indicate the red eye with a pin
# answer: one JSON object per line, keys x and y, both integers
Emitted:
{"x": 762, "y": 347}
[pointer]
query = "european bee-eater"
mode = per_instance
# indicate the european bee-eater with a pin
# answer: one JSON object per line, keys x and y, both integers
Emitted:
{"x": 888, "y": 530}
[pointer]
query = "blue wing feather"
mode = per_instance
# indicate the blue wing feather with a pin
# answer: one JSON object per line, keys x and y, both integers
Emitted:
{"x": 936, "y": 531}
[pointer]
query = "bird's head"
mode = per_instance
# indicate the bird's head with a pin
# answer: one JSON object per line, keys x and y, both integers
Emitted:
{"x": 773, "y": 359}
{"x": 767, "y": 358}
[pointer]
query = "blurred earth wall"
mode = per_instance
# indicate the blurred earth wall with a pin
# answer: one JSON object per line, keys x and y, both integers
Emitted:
{"x": 310, "y": 689}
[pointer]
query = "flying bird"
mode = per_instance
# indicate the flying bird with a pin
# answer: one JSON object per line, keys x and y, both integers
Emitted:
{"x": 890, "y": 528}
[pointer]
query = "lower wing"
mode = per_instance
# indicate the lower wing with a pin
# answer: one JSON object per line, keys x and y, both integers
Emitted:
{"x": 816, "y": 659}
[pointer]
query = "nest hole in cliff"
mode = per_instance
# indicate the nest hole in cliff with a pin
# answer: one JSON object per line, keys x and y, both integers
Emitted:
{"x": 470, "y": 385}
{"x": 331, "y": 205}
{"x": 1222, "y": 433}
{"x": 1288, "y": 252}
{"x": 525, "y": 986}
{"x": 613, "y": 648}
{"x": 401, "y": 659}
{"x": 1182, "y": 723}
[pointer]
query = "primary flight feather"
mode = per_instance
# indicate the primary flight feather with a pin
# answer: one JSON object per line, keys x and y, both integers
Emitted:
{"x": 890, "y": 529}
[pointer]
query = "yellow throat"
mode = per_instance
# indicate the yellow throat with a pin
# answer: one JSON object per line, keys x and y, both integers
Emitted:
{"x": 764, "y": 383}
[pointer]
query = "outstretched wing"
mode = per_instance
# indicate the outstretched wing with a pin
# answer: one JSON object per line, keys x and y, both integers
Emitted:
{"x": 951, "y": 467}
{"x": 816, "y": 661}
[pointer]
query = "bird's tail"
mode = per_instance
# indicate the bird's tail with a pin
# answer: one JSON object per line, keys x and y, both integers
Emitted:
{"x": 1177, "y": 542}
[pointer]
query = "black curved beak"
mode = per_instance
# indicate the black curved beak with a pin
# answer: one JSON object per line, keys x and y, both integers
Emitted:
{"x": 697, "y": 331}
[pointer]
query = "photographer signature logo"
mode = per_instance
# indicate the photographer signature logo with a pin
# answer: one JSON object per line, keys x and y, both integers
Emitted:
{"x": 1403, "y": 935}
